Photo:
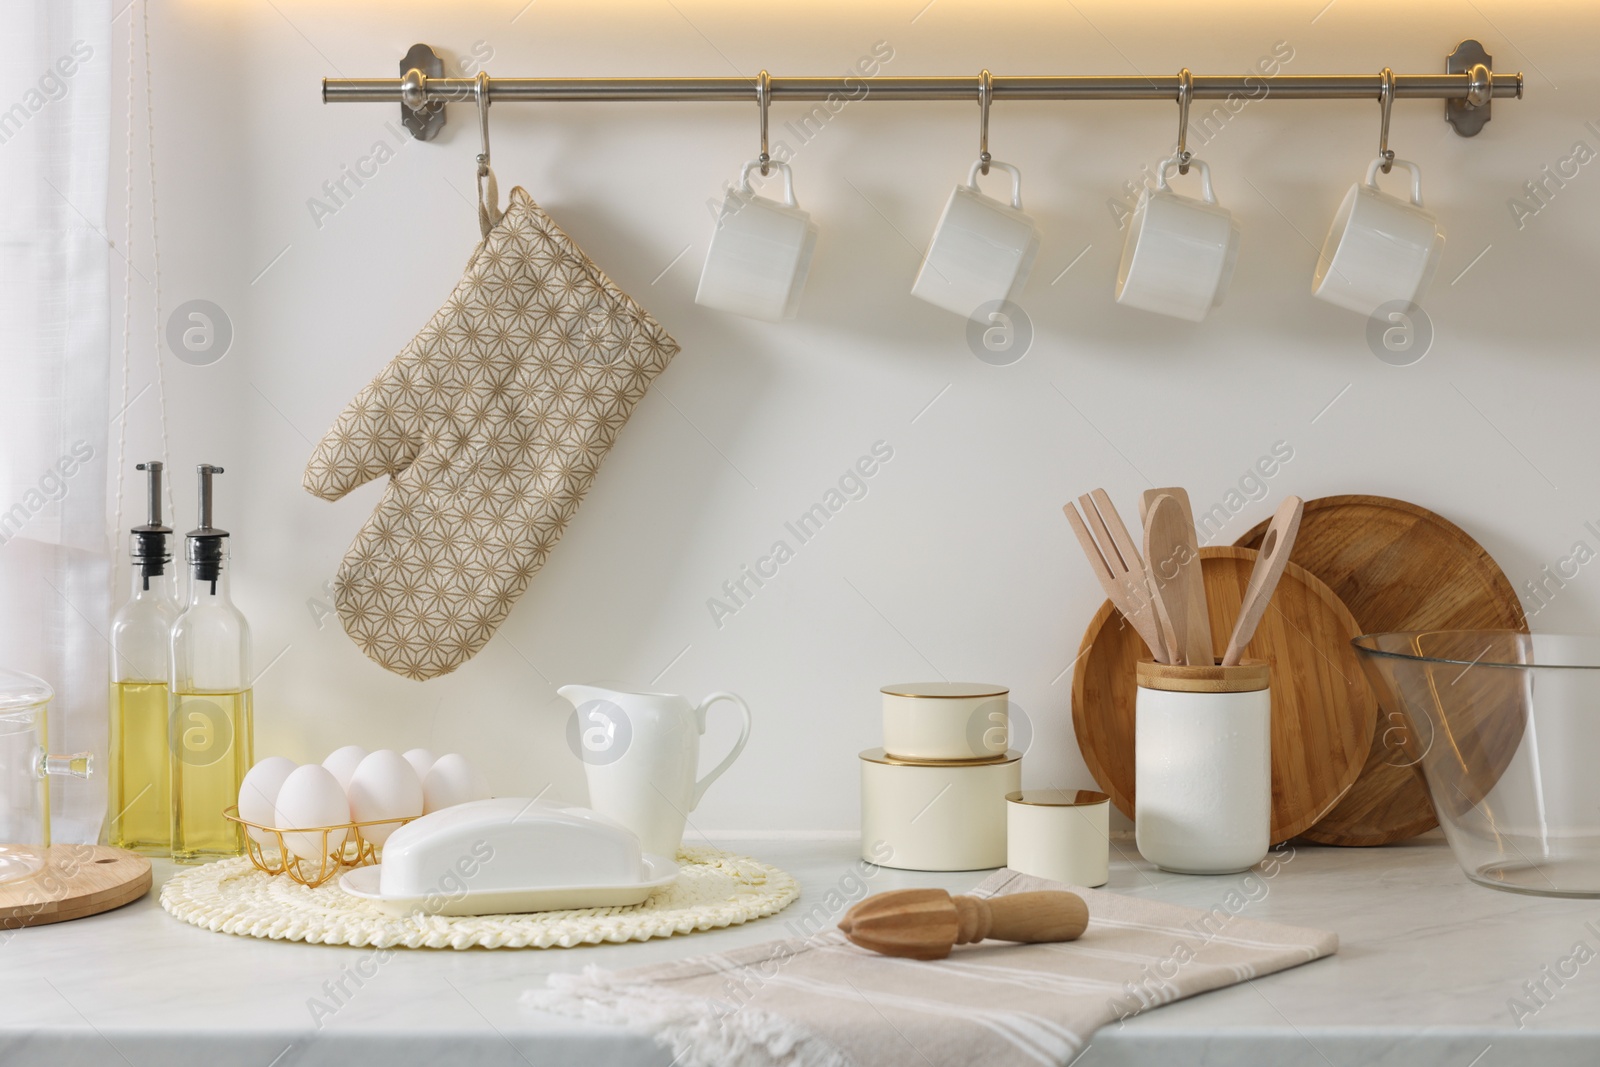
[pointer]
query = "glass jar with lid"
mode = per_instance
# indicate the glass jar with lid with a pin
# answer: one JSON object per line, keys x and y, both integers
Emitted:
{"x": 25, "y": 769}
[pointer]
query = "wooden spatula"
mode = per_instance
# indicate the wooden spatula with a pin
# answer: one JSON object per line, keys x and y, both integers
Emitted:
{"x": 925, "y": 924}
{"x": 1198, "y": 637}
{"x": 1163, "y": 545}
{"x": 1276, "y": 544}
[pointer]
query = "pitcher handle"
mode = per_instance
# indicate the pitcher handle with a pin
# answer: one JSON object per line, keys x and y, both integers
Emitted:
{"x": 712, "y": 775}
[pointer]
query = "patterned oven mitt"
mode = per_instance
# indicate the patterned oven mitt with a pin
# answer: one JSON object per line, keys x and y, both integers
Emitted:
{"x": 490, "y": 423}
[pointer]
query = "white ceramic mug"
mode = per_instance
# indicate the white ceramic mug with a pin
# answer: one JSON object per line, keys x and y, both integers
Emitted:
{"x": 1180, "y": 252}
{"x": 1380, "y": 247}
{"x": 642, "y": 760}
{"x": 982, "y": 249}
{"x": 1060, "y": 834}
{"x": 760, "y": 252}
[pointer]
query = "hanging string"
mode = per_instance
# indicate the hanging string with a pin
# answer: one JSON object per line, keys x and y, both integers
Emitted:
{"x": 155, "y": 252}
{"x": 127, "y": 313}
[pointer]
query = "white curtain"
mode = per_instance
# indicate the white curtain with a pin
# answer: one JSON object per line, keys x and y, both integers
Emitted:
{"x": 55, "y": 368}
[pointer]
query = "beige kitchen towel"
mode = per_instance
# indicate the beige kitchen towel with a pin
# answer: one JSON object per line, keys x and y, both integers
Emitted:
{"x": 490, "y": 425}
{"x": 823, "y": 1002}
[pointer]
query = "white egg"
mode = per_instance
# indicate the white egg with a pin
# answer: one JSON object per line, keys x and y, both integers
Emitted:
{"x": 385, "y": 786}
{"x": 259, "y": 792}
{"x": 451, "y": 781}
{"x": 311, "y": 796}
{"x": 421, "y": 761}
{"x": 343, "y": 763}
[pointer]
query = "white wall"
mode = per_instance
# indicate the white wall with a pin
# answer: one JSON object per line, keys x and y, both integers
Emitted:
{"x": 957, "y": 563}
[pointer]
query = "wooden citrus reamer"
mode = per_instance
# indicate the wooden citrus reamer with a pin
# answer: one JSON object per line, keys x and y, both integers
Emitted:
{"x": 925, "y": 924}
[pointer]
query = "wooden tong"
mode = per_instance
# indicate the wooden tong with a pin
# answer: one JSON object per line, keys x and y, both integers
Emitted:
{"x": 1115, "y": 560}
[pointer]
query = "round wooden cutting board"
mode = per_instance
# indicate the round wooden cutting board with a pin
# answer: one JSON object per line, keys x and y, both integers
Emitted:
{"x": 77, "y": 880}
{"x": 1323, "y": 711}
{"x": 1396, "y": 566}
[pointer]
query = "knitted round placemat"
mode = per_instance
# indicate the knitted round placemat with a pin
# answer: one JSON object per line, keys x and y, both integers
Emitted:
{"x": 714, "y": 889}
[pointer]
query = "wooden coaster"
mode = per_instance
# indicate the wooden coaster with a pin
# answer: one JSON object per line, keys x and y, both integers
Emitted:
{"x": 1323, "y": 710}
{"x": 1397, "y": 567}
{"x": 76, "y": 881}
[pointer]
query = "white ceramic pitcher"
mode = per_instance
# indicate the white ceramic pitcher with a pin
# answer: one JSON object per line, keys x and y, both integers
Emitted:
{"x": 640, "y": 752}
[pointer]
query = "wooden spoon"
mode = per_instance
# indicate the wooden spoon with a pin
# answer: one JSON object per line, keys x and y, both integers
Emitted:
{"x": 1276, "y": 544}
{"x": 925, "y": 924}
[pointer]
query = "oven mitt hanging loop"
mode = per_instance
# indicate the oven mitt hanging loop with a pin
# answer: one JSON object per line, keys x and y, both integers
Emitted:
{"x": 490, "y": 424}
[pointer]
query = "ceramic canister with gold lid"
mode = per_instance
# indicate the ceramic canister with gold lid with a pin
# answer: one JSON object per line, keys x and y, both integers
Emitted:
{"x": 1060, "y": 834}
{"x": 945, "y": 720}
{"x": 936, "y": 815}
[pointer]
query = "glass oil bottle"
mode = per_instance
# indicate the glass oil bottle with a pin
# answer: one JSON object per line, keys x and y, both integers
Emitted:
{"x": 141, "y": 637}
{"x": 210, "y": 724}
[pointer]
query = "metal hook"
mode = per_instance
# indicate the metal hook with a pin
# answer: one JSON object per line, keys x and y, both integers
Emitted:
{"x": 985, "y": 95}
{"x": 763, "y": 97}
{"x": 481, "y": 91}
{"x": 1386, "y": 100}
{"x": 1185, "y": 93}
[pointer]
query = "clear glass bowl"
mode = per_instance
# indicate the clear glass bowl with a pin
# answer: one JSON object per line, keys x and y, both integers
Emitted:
{"x": 1505, "y": 728}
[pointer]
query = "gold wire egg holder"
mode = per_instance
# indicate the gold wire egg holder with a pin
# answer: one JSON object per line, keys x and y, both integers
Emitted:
{"x": 354, "y": 851}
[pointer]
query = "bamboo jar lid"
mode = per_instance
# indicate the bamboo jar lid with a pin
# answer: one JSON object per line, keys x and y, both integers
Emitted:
{"x": 1249, "y": 676}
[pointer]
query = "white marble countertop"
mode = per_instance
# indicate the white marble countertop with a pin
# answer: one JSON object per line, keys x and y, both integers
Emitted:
{"x": 1427, "y": 968}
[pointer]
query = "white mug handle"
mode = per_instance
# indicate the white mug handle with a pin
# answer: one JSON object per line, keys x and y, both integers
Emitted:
{"x": 1205, "y": 176}
{"x": 788, "y": 180}
{"x": 1016, "y": 179}
{"x": 1416, "y": 177}
{"x": 712, "y": 775}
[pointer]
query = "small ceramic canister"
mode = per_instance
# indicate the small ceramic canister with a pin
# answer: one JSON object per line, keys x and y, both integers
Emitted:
{"x": 936, "y": 816}
{"x": 1203, "y": 766}
{"x": 1060, "y": 834}
{"x": 956, "y": 721}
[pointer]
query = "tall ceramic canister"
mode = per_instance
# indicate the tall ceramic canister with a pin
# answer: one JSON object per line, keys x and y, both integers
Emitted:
{"x": 1203, "y": 766}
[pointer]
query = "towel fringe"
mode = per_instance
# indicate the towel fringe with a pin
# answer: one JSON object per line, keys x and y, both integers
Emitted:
{"x": 699, "y": 1031}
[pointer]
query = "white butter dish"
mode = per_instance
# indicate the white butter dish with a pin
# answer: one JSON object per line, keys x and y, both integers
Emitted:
{"x": 509, "y": 855}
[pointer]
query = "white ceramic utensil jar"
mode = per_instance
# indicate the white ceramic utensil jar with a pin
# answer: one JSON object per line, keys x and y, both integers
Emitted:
{"x": 982, "y": 249}
{"x": 1203, "y": 766}
{"x": 760, "y": 252}
{"x": 945, "y": 720}
{"x": 1060, "y": 834}
{"x": 1180, "y": 252}
{"x": 1380, "y": 248}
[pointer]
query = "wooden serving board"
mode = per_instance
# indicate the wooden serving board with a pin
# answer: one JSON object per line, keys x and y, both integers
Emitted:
{"x": 1323, "y": 711}
{"x": 77, "y": 880}
{"x": 1396, "y": 566}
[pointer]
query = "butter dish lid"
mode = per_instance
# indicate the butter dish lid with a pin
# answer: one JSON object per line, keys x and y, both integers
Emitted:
{"x": 945, "y": 690}
{"x": 509, "y": 843}
{"x": 878, "y": 755}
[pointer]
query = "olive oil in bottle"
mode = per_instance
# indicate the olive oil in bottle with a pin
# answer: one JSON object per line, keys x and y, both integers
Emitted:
{"x": 210, "y": 722}
{"x": 141, "y": 637}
